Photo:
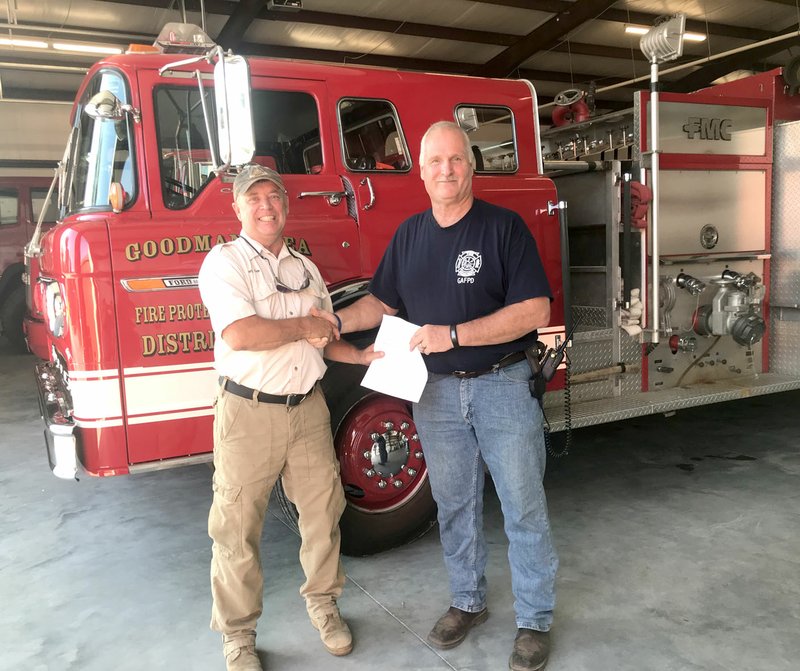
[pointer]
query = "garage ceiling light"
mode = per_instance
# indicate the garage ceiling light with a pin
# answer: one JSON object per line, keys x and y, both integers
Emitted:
{"x": 85, "y": 48}
{"x": 642, "y": 30}
{"x": 29, "y": 44}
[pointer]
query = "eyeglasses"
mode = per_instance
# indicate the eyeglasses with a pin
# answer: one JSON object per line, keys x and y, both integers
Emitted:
{"x": 280, "y": 286}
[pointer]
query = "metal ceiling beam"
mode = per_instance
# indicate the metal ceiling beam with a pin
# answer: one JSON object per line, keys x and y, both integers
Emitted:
{"x": 600, "y": 50}
{"x": 542, "y": 38}
{"x": 43, "y": 65}
{"x": 352, "y": 57}
{"x": 232, "y": 33}
{"x": 552, "y": 6}
{"x": 39, "y": 95}
{"x": 394, "y": 27}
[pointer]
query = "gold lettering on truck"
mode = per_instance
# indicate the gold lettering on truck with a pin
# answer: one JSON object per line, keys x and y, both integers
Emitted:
{"x": 182, "y": 342}
{"x": 150, "y": 249}
{"x": 197, "y": 244}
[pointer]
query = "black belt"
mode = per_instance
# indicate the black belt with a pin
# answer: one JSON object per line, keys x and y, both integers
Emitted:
{"x": 507, "y": 360}
{"x": 289, "y": 400}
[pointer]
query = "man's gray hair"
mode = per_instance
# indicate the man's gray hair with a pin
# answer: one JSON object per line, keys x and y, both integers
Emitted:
{"x": 447, "y": 125}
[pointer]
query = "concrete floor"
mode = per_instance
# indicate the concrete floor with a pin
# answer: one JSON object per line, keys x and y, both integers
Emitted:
{"x": 678, "y": 539}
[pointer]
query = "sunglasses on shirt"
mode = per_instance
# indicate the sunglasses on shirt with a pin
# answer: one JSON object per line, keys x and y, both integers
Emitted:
{"x": 280, "y": 286}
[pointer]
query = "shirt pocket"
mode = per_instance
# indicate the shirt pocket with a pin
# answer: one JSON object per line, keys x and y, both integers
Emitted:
{"x": 266, "y": 298}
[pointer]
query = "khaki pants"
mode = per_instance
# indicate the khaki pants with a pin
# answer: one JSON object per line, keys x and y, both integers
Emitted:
{"x": 254, "y": 443}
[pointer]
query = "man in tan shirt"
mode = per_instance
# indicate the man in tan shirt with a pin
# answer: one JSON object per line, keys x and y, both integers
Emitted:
{"x": 271, "y": 418}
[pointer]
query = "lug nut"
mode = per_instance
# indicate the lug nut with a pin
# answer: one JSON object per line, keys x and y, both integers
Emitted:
{"x": 375, "y": 436}
{"x": 389, "y": 425}
{"x": 369, "y": 472}
{"x": 411, "y": 471}
{"x": 382, "y": 484}
{"x": 418, "y": 454}
{"x": 415, "y": 437}
{"x": 397, "y": 484}
{"x": 404, "y": 426}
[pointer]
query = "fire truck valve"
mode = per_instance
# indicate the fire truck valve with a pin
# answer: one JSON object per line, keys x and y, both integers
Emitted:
{"x": 734, "y": 310}
{"x": 691, "y": 284}
{"x": 682, "y": 344}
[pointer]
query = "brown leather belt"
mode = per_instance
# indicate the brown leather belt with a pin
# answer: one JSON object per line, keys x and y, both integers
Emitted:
{"x": 507, "y": 360}
{"x": 289, "y": 400}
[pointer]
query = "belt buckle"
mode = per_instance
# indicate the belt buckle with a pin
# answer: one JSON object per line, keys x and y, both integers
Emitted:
{"x": 290, "y": 400}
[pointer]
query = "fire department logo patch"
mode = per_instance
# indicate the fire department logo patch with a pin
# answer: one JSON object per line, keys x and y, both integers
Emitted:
{"x": 468, "y": 264}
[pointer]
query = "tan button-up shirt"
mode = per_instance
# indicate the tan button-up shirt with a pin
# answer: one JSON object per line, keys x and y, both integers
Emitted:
{"x": 237, "y": 281}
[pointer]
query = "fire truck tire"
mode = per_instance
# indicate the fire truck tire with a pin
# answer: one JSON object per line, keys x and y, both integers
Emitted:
{"x": 367, "y": 530}
{"x": 12, "y": 312}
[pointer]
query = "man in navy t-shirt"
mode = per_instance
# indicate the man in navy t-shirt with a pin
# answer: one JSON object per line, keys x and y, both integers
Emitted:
{"x": 470, "y": 273}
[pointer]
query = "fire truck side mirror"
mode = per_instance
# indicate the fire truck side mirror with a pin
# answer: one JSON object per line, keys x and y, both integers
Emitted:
{"x": 105, "y": 105}
{"x": 234, "y": 115}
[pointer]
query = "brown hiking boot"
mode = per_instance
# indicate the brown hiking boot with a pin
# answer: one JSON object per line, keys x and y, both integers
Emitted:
{"x": 240, "y": 652}
{"x": 452, "y": 627}
{"x": 531, "y": 650}
{"x": 333, "y": 631}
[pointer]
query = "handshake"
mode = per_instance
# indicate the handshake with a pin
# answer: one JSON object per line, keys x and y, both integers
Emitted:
{"x": 324, "y": 327}
{"x": 325, "y": 333}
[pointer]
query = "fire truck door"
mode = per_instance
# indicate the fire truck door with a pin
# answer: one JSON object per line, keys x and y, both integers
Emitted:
{"x": 377, "y": 166}
{"x": 165, "y": 335}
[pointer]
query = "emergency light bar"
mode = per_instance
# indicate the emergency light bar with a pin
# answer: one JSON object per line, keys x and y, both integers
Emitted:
{"x": 184, "y": 38}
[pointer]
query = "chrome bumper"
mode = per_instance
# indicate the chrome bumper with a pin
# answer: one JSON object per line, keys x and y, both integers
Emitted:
{"x": 62, "y": 451}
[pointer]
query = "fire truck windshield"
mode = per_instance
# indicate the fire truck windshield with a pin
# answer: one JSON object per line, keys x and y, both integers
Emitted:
{"x": 101, "y": 151}
{"x": 287, "y": 137}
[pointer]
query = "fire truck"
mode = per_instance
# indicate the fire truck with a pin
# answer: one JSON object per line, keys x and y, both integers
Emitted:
{"x": 21, "y": 201}
{"x": 145, "y": 188}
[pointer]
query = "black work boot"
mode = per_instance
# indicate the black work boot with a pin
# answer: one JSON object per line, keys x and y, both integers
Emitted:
{"x": 452, "y": 627}
{"x": 531, "y": 650}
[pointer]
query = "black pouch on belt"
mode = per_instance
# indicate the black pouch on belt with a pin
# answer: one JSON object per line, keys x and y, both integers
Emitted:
{"x": 537, "y": 383}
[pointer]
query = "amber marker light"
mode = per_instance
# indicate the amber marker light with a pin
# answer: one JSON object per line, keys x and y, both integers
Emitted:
{"x": 116, "y": 197}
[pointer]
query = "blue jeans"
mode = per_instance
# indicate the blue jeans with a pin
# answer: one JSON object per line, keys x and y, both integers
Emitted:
{"x": 491, "y": 419}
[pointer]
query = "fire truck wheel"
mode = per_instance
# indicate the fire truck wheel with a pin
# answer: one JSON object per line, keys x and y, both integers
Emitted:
{"x": 12, "y": 312}
{"x": 389, "y": 500}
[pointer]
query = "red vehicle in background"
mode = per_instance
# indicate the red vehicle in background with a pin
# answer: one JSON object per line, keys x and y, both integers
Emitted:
{"x": 21, "y": 202}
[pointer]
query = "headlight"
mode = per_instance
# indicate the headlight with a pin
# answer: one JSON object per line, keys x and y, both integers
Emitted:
{"x": 56, "y": 312}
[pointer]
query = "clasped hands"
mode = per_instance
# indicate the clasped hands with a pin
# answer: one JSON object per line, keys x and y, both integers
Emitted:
{"x": 325, "y": 330}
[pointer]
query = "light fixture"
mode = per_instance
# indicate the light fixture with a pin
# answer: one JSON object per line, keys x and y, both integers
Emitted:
{"x": 642, "y": 30}
{"x": 29, "y": 44}
{"x": 664, "y": 41}
{"x": 85, "y": 48}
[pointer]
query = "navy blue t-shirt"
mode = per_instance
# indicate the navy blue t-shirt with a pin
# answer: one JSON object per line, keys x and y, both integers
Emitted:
{"x": 436, "y": 275}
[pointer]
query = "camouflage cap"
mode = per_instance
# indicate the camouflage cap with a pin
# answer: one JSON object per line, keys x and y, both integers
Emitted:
{"x": 252, "y": 173}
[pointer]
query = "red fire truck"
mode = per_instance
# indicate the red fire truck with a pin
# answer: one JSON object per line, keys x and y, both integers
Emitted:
{"x": 21, "y": 203}
{"x": 129, "y": 382}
